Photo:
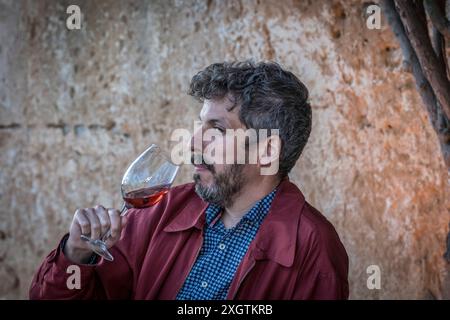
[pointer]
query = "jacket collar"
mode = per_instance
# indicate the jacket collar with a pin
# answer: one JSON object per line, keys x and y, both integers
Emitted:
{"x": 192, "y": 215}
{"x": 277, "y": 237}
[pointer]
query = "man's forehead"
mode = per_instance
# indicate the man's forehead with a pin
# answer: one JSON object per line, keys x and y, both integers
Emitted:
{"x": 219, "y": 108}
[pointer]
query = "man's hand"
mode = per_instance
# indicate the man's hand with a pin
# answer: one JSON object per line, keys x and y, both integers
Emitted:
{"x": 94, "y": 223}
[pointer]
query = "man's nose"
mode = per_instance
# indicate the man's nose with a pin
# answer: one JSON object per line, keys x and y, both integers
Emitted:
{"x": 196, "y": 143}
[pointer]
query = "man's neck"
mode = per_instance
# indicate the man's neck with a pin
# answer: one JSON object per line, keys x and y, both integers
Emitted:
{"x": 246, "y": 199}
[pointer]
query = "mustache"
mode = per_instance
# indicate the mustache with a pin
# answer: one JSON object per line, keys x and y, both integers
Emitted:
{"x": 197, "y": 158}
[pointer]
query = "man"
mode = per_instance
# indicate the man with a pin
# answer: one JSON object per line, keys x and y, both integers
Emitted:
{"x": 232, "y": 234}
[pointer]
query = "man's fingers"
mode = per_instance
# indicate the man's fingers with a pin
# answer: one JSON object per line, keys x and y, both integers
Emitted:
{"x": 83, "y": 221}
{"x": 103, "y": 216}
{"x": 95, "y": 223}
{"x": 116, "y": 225}
{"x": 124, "y": 221}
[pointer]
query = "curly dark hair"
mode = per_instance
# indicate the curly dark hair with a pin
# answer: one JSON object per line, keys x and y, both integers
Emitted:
{"x": 269, "y": 98}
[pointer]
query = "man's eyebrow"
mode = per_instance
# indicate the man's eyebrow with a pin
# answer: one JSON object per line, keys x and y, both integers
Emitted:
{"x": 218, "y": 120}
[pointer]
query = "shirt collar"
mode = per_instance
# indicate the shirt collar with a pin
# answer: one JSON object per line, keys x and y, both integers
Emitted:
{"x": 255, "y": 215}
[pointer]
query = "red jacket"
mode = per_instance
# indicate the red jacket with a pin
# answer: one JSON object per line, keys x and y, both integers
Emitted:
{"x": 296, "y": 254}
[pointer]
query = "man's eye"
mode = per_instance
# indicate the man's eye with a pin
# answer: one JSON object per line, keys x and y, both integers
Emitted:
{"x": 221, "y": 130}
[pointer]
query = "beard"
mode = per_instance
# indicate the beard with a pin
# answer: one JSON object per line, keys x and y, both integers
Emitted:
{"x": 225, "y": 186}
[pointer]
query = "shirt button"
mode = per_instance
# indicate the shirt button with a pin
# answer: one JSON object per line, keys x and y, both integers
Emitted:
{"x": 204, "y": 284}
{"x": 221, "y": 246}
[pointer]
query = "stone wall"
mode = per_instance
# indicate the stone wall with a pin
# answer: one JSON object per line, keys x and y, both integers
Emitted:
{"x": 77, "y": 106}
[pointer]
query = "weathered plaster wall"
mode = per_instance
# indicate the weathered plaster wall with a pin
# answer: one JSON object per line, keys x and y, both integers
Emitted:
{"x": 77, "y": 106}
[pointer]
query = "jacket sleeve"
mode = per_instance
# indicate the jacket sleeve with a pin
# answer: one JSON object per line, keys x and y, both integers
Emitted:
{"x": 55, "y": 278}
{"x": 107, "y": 280}
{"x": 59, "y": 278}
{"x": 323, "y": 286}
{"x": 324, "y": 266}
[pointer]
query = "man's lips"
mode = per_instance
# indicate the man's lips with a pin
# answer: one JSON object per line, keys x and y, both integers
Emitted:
{"x": 200, "y": 167}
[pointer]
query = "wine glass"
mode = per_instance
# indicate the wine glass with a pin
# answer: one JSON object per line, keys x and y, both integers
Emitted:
{"x": 144, "y": 184}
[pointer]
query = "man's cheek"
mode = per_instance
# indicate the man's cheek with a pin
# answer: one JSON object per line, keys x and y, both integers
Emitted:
{"x": 219, "y": 168}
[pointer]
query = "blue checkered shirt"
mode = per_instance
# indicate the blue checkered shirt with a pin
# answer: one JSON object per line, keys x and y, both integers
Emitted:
{"x": 222, "y": 252}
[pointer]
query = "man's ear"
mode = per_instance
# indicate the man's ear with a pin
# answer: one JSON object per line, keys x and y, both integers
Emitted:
{"x": 269, "y": 150}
